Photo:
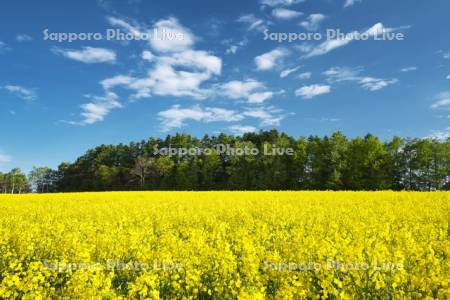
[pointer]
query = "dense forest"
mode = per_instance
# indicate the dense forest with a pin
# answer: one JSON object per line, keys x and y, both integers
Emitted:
{"x": 316, "y": 163}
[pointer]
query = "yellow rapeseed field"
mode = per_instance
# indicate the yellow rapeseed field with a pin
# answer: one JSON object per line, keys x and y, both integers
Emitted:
{"x": 225, "y": 245}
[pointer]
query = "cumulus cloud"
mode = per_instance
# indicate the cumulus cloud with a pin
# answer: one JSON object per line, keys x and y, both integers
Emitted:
{"x": 165, "y": 79}
{"x": 269, "y": 60}
{"x": 21, "y": 92}
{"x": 241, "y": 129}
{"x": 442, "y": 101}
{"x": 88, "y": 55}
{"x": 341, "y": 74}
{"x": 181, "y": 38}
{"x": 176, "y": 116}
{"x": 285, "y": 13}
{"x": 96, "y": 110}
{"x": 374, "y": 84}
{"x": 172, "y": 26}
{"x": 311, "y": 91}
{"x": 268, "y": 116}
{"x": 312, "y": 23}
{"x": 147, "y": 55}
{"x": 115, "y": 81}
{"x": 178, "y": 70}
{"x": 195, "y": 59}
{"x": 252, "y": 90}
{"x": 351, "y": 2}
{"x": 181, "y": 71}
{"x": 304, "y": 75}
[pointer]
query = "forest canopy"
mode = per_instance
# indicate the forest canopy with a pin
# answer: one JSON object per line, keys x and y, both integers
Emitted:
{"x": 316, "y": 163}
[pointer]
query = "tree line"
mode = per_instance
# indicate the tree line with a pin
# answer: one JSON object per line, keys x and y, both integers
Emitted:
{"x": 316, "y": 163}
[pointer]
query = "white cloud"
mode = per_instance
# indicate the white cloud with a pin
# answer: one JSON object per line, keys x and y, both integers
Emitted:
{"x": 374, "y": 84}
{"x": 164, "y": 79}
{"x": 447, "y": 55}
{"x": 442, "y": 101}
{"x": 233, "y": 48}
{"x": 147, "y": 55}
{"x": 253, "y": 23}
{"x": 133, "y": 29}
{"x": 176, "y": 37}
{"x": 378, "y": 29}
{"x": 98, "y": 109}
{"x": 311, "y": 91}
{"x": 177, "y": 69}
{"x": 269, "y": 60}
{"x": 287, "y": 72}
{"x": 241, "y": 89}
{"x": 259, "y": 97}
{"x": 196, "y": 59}
{"x": 409, "y": 69}
{"x": 176, "y": 117}
{"x": 332, "y": 44}
{"x": 115, "y": 81}
{"x": 4, "y": 47}
{"x": 173, "y": 27}
{"x": 285, "y": 13}
{"x": 252, "y": 90}
{"x": 21, "y": 92}
{"x": 88, "y": 55}
{"x": 350, "y": 2}
{"x": 273, "y": 3}
{"x": 304, "y": 76}
{"x": 241, "y": 129}
{"x": 268, "y": 116}
{"x": 312, "y": 23}
{"x": 23, "y": 38}
{"x": 448, "y": 77}
{"x": 341, "y": 74}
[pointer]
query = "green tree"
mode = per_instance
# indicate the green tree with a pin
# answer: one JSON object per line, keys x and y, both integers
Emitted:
{"x": 17, "y": 181}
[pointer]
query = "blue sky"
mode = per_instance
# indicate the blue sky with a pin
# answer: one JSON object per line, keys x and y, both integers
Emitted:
{"x": 217, "y": 66}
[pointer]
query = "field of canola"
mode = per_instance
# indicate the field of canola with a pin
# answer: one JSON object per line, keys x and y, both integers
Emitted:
{"x": 225, "y": 245}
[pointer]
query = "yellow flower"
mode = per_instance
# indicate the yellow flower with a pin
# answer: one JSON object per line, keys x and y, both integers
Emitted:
{"x": 225, "y": 245}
